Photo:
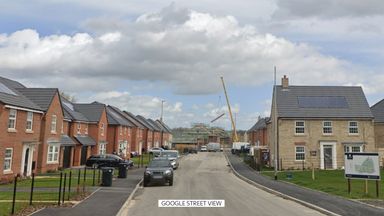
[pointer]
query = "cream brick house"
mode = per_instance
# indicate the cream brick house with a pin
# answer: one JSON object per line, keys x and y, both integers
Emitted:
{"x": 378, "y": 113}
{"x": 316, "y": 125}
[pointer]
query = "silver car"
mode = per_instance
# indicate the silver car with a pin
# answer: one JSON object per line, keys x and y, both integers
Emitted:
{"x": 172, "y": 155}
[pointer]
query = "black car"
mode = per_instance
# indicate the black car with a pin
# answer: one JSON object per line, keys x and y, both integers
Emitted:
{"x": 159, "y": 171}
{"x": 106, "y": 160}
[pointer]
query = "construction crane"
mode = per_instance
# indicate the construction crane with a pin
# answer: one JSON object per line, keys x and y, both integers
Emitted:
{"x": 235, "y": 138}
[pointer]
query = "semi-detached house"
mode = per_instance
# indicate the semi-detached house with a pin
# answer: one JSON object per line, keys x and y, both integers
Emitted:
{"x": 137, "y": 133}
{"x": 316, "y": 125}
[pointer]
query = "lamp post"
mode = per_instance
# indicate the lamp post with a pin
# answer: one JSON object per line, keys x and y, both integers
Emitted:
{"x": 162, "y": 105}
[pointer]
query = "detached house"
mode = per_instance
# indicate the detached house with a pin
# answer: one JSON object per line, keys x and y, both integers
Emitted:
{"x": 318, "y": 124}
{"x": 257, "y": 135}
{"x": 20, "y": 125}
{"x": 378, "y": 113}
{"x": 119, "y": 132}
{"x": 156, "y": 138}
{"x": 137, "y": 133}
{"x": 51, "y": 123}
{"x": 97, "y": 129}
{"x": 148, "y": 133}
{"x": 166, "y": 135}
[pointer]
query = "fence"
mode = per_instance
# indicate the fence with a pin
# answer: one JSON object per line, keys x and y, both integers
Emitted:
{"x": 58, "y": 188}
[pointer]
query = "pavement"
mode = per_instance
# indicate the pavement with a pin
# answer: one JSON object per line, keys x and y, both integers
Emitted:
{"x": 333, "y": 204}
{"x": 104, "y": 202}
{"x": 206, "y": 176}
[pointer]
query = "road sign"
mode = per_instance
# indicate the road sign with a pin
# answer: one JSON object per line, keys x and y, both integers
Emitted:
{"x": 362, "y": 166}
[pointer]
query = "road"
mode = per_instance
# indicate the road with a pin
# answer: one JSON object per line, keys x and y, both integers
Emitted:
{"x": 206, "y": 176}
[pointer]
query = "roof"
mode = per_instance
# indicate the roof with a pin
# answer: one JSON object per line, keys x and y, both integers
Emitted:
{"x": 41, "y": 96}
{"x": 9, "y": 95}
{"x": 163, "y": 129}
{"x": 378, "y": 111}
{"x": 70, "y": 113}
{"x": 260, "y": 124}
{"x": 154, "y": 125}
{"x": 132, "y": 118}
{"x": 335, "y": 102}
{"x": 86, "y": 140}
{"x": 144, "y": 122}
{"x": 169, "y": 130}
{"x": 65, "y": 140}
{"x": 91, "y": 111}
{"x": 117, "y": 118}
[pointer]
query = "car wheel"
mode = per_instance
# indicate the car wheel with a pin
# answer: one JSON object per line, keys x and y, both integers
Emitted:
{"x": 171, "y": 182}
{"x": 145, "y": 183}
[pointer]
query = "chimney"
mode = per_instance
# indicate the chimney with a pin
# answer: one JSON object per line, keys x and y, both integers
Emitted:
{"x": 285, "y": 82}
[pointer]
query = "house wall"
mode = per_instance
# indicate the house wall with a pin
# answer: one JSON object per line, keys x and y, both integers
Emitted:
{"x": 15, "y": 139}
{"x": 314, "y": 135}
{"x": 379, "y": 139}
{"x": 46, "y": 135}
{"x": 95, "y": 132}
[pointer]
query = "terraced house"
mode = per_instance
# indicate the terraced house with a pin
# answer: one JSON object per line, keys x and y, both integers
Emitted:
{"x": 316, "y": 125}
{"x": 20, "y": 125}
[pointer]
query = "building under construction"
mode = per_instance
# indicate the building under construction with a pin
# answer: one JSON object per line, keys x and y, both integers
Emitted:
{"x": 199, "y": 134}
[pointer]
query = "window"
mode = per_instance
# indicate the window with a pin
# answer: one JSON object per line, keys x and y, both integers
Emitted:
{"x": 102, "y": 129}
{"x": 12, "y": 119}
{"x": 102, "y": 149}
{"x": 299, "y": 127}
{"x": 86, "y": 129}
{"x": 300, "y": 153}
{"x": 62, "y": 128}
{"x": 29, "y": 121}
{"x": 53, "y": 124}
{"x": 122, "y": 148}
{"x": 353, "y": 148}
{"x": 353, "y": 127}
{"x": 8, "y": 159}
{"x": 121, "y": 130}
{"x": 53, "y": 154}
{"x": 327, "y": 127}
{"x": 125, "y": 130}
{"x": 78, "y": 128}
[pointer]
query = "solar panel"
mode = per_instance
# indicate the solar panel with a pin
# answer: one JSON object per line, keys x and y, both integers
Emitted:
{"x": 322, "y": 102}
{"x": 70, "y": 106}
{"x": 6, "y": 90}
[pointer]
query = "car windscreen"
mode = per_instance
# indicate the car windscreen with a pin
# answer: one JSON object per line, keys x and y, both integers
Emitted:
{"x": 114, "y": 157}
{"x": 169, "y": 154}
{"x": 159, "y": 163}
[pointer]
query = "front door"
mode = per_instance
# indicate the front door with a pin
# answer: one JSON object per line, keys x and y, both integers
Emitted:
{"x": 67, "y": 157}
{"x": 84, "y": 150}
{"x": 328, "y": 155}
{"x": 26, "y": 162}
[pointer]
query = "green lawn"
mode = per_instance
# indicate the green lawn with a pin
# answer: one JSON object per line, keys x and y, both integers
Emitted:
{"x": 331, "y": 181}
{"x": 146, "y": 158}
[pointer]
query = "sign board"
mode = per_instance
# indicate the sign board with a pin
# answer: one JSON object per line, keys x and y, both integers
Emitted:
{"x": 362, "y": 166}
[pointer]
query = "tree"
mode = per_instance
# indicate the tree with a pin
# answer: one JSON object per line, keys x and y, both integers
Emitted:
{"x": 69, "y": 97}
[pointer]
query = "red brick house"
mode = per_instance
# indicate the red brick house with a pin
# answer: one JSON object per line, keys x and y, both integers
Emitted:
{"x": 97, "y": 129}
{"x": 119, "y": 132}
{"x": 166, "y": 134}
{"x": 138, "y": 132}
{"x": 258, "y": 135}
{"x": 50, "y": 131}
{"x": 148, "y": 133}
{"x": 156, "y": 138}
{"x": 20, "y": 124}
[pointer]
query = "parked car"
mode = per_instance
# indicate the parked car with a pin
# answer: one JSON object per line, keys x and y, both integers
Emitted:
{"x": 155, "y": 151}
{"x": 158, "y": 171}
{"x": 203, "y": 148}
{"x": 106, "y": 160}
{"x": 213, "y": 147}
{"x": 172, "y": 155}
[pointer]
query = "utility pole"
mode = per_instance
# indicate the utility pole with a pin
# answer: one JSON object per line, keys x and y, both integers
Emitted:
{"x": 275, "y": 122}
{"x": 162, "y": 105}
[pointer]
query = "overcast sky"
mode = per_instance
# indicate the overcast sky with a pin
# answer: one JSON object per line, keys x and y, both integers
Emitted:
{"x": 134, "y": 54}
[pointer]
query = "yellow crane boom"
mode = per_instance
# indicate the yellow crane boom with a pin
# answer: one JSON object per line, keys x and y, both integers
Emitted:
{"x": 235, "y": 138}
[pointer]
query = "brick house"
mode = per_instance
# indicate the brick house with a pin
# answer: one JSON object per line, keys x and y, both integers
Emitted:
{"x": 119, "y": 132}
{"x": 148, "y": 133}
{"x": 50, "y": 133}
{"x": 166, "y": 135}
{"x": 76, "y": 127}
{"x": 378, "y": 113}
{"x": 316, "y": 125}
{"x": 20, "y": 124}
{"x": 97, "y": 129}
{"x": 137, "y": 133}
{"x": 156, "y": 138}
{"x": 257, "y": 134}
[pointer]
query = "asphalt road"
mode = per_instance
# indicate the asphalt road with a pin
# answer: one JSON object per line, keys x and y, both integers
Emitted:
{"x": 207, "y": 176}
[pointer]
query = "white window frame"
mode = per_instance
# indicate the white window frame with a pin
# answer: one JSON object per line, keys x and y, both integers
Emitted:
{"x": 299, "y": 152}
{"x": 348, "y": 148}
{"x": 102, "y": 149}
{"x": 78, "y": 128}
{"x": 125, "y": 130}
{"x": 299, "y": 127}
{"x": 62, "y": 127}
{"x": 327, "y": 127}
{"x": 12, "y": 118}
{"x": 102, "y": 129}
{"x": 53, "y": 154}
{"x": 86, "y": 129}
{"x": 54, "y": 124}
{"x": 29, "y": 120}
{"x": 8, "y": 158}
{"x": 121, "y": 130}
{"x": 123, "y": 148}
{"x": 353, "y": 127}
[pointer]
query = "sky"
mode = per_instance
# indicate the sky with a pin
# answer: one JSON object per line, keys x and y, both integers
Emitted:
{"x": 135, "y": 54}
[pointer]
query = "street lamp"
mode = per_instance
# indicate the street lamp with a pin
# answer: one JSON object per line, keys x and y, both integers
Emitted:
{"x": 162, "y": 105}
